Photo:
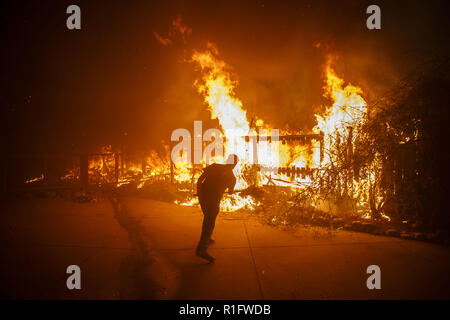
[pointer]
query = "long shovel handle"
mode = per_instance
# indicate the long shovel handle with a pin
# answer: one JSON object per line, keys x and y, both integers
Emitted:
{"x": 235, "y": 191}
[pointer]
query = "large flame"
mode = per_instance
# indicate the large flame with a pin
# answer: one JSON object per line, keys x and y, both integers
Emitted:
{"x": 217, "y": 88}
{"x": 216, "y": 85}
{"x": 348, "y": 109}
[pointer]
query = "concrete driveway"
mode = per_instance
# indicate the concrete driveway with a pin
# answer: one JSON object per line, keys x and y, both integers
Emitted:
{"x": 133, "y": 248}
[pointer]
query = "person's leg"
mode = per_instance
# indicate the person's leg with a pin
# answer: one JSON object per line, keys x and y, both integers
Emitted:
{"x": 203, "y": 243}
{"x": 211, "y": 224}
{"x": 209, "y": 227}
{"x": 204, "y": 239}
{"x": 204, "y": 206}
{"x": 209, "y": 218}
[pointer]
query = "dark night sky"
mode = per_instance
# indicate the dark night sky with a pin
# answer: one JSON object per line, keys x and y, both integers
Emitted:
{"x": 112, "y": 82}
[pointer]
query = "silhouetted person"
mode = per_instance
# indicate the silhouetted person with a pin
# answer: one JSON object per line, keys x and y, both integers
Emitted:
{"x": 211, "y": 185}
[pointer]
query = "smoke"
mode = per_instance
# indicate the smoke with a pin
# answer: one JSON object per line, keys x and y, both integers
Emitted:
{"x": 124, "y": 78}
{"x": 178, "y": 30}
{"x": 278, "y": 59}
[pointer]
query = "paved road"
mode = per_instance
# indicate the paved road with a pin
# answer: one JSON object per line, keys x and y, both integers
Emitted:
{"x": 138, "y": 248}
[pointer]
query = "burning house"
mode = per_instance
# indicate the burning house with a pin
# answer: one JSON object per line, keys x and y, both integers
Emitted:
{"x": 294, "y": 161}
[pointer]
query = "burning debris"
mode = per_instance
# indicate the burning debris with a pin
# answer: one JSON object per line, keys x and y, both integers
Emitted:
{"x": 340, "y": 175}
{"x": 310, "y": 165}
{"x": 313, "y": 167}
{"x": 34, "y": 180}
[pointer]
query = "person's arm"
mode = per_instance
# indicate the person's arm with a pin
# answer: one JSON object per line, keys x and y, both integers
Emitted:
{"x": 200, "y": 181}
{"x": 232, "y": 183}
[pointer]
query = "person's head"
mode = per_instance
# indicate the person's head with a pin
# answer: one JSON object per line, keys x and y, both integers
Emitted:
{"x": 232, "y": 160}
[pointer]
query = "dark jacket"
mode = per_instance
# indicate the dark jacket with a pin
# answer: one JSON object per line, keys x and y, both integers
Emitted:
{"x": 215, "y": 179}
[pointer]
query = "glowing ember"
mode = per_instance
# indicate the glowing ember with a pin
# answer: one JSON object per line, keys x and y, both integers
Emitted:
{"x": 33, "y": 180}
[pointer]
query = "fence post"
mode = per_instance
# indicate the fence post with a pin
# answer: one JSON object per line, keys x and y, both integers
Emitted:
{"x": 116, "y": 167}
